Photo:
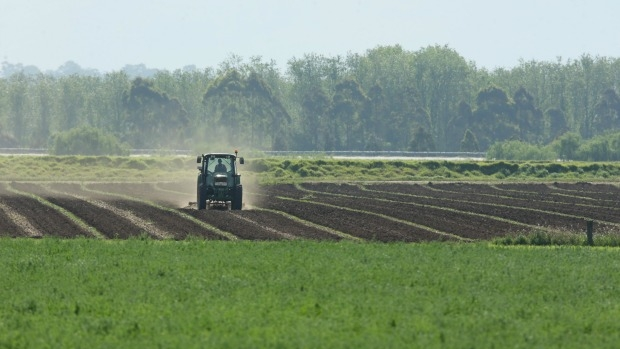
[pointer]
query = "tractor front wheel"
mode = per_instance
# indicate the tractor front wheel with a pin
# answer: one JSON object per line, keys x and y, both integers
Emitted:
{"x": 237, "y": 201}
{"x": 201, "y": 200}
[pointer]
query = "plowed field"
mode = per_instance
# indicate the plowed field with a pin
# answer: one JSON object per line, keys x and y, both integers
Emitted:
{"x": 407, "y": 212}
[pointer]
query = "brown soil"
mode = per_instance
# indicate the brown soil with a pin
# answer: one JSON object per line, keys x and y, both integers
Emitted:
{"x": 386, "y": 212}
{"x": 46, "y": 220}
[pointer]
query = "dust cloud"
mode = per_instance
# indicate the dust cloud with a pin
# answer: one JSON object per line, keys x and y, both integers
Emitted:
{"x": 251, "y": 192}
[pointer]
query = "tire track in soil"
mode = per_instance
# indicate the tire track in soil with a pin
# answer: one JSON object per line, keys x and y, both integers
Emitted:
{"x": 36, "y": 219}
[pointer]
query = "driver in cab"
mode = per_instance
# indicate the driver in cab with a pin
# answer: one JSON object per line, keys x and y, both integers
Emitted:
{"x": 220, "y": 167}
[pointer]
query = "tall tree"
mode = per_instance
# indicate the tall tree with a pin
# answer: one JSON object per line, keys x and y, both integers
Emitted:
{"x": 18, "y": 100}
{"x": 113, "y": 107}
{"x": 348, "y": 106}
{"x": 442, "y": 78}
{"x": 155, "y": 119}
{"x": 386, "y": 73}
{"x": 374, "y": 127}
{"x": 269, "y": 105}
{"x": 315, "y": 109}
{"x": 422, "y": 140}
{"x": 606, "y": 112}
{"x": 462, "y": 121}
{"x": 469, "y": 143}
{"x": 528, "y": 117}
{"x": 45, "y": 98}
{"x": 238, "y": 99}
{"x": 494, "y": 117}
{"x": 72, "y": 102}
{"x": 557, "y": 123}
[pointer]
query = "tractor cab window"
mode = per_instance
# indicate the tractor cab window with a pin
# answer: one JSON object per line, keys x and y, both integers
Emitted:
{"x": 219, "y": 165}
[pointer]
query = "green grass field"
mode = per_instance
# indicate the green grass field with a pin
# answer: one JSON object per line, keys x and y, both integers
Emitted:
{"x": 197, "y": 294}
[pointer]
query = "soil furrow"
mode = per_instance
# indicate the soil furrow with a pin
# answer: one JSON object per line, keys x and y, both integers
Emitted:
{"x": 469, "y": 209}
{"x": 171, "y": 219}
{"x": 542, "y": 205}
{"x": 13, "y": 224}
{"x": 462, "y": 224}
{"x": 107, "y": 222}
{"x": 286, "y": 225}
{"x": 363, "y": 225}
{"x": 229, "y": 222}
{"x": 385, "y": 212}
{"x": 266, "y": 227}
{"x": 40, "y": 219}
{"x": 146, "y": 217}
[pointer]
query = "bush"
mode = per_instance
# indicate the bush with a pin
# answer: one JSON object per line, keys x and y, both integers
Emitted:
{"x": 136, "y": 164}
{"x": 518, "y": 150}
{"x": 86, "y": 141}
{"x": 600, "y": 148}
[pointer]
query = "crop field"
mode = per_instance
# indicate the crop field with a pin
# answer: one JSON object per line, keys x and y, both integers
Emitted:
{"x": 358, "y": 211}
{"x": 126, "y": 261}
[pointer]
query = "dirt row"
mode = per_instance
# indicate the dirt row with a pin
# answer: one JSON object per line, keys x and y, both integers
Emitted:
{"x": 23, "y": 215}
{"x": 387, "y": 212}
{"x": 532, "y": 211}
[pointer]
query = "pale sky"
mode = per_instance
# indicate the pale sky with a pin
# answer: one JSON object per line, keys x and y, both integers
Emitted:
{"x": 169, "y": 34}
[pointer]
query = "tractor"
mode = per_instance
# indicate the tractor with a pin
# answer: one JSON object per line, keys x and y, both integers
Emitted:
{"x": 219, "y": 183}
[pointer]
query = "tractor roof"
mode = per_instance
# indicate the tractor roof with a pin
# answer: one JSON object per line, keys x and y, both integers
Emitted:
{"x": 219, "y": 155}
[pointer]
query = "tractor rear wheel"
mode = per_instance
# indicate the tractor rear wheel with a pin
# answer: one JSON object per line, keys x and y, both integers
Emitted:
{"x": 237, "y": 201}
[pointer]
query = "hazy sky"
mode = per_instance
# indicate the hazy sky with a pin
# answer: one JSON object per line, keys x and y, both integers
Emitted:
{"x": 170, "y": 34}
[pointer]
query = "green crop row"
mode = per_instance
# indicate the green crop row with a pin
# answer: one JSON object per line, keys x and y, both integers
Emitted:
{"x": 279, "y": 169}
{"x": 274, "y": 170}
{"x": 197, "y": 294}
{"x": 96, "y": 168}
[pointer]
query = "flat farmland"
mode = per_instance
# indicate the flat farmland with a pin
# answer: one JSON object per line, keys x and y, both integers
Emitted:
{"x": 381, "y": 211}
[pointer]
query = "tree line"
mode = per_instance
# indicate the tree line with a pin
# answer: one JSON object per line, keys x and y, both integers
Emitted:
{"x": 387, "y": 98}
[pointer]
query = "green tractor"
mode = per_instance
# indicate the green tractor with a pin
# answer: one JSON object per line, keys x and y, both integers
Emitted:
{"x": 219, "y": 183}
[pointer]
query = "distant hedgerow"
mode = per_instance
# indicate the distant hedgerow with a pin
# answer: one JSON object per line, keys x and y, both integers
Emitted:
{"x": 86, "y": 141}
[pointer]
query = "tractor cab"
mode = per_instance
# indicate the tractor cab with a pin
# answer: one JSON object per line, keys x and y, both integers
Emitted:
{"x": 219, "y": 183}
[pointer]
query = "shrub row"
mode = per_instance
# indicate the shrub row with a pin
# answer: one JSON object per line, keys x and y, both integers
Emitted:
{"x": 271, "y": 169}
